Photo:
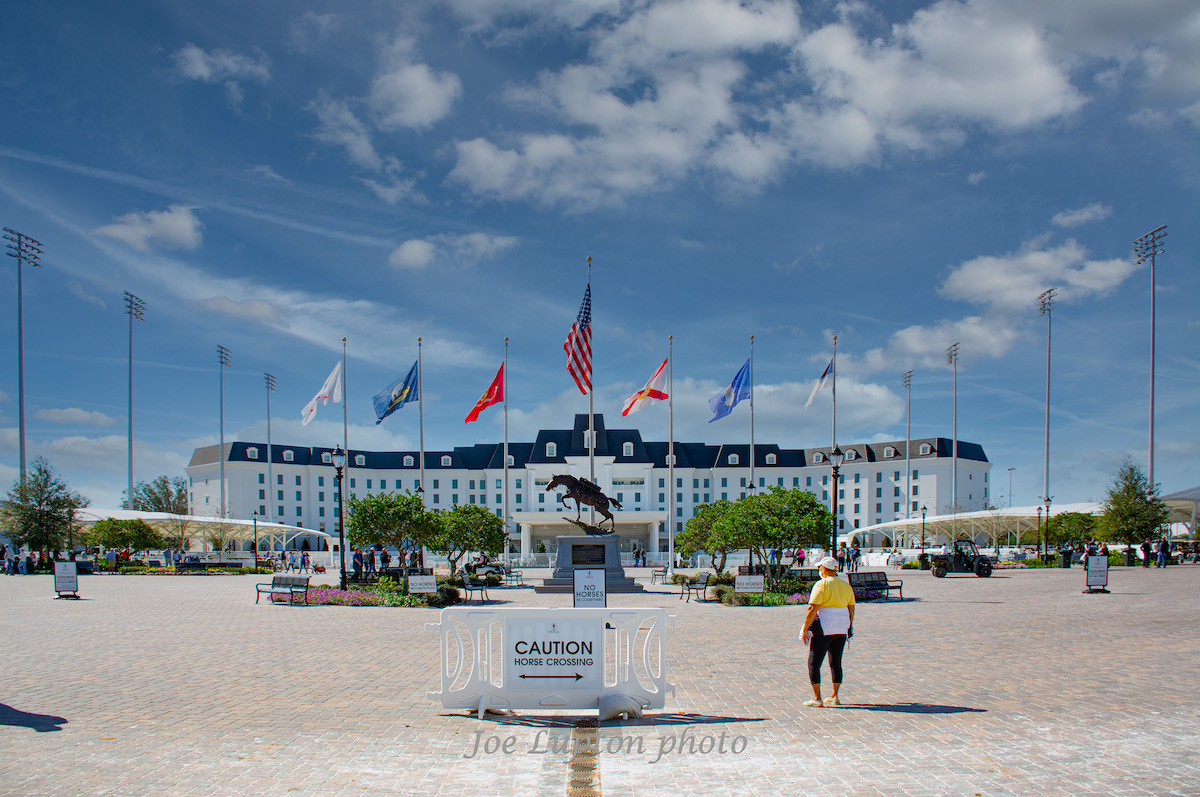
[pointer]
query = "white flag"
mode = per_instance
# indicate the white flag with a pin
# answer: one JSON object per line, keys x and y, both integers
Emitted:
{"x": 330, "y": 391}
{"x": 820, "y": 384}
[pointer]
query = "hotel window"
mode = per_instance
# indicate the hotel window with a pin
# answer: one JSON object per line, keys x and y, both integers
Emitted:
{"x": 471, "y": 497}
{"x": 280, "y": 512}
{"x": 368, "y": 484}
{"x": 841, "y": 495}
{"x": 518, "y": 499}
{"x": 511, "y": 461}
{"x": 416, "y": 485}
{"x": 896, "y": 475}
{"x": 695, "y": 484}
{"x": 808, "y": 481}
{"x": 916, "y": 475}
{"x": 435, "y": 498}
{"x": 251, "y": 453}
{"x": 679, "y": 498}
{"x": 695, "y": 498}
{"x": 454, "y": 484}
{"x": 857, "y": 477}
{"x": 541, "y": 498}
{"x": 672, "y": 460}
{"x": 733, "y": 459}
{"x": 620, "y": 498}
{"x": 472, "y": 484}
{"x": 706, "y": 498}
{"x": 321, "y": 496}
{"x": 879, "y": 492}
{"x": 298, "y": 497}
{"x": 518, "y": 484}
{"x": 352, "y": 485}
{"x": 780, "y": 481}
{"x": 796, "y": 481}
{"x": 851, "y": 454}
{"x": 724, "y": 496}
{"x": 262, "y": 478}
{"x": 298, "y": 481}
{"x": 288, "y": 456}
{"x": 896, "y": 491}
{"x": 878, "y": 509}
{"x": 662, "y": 497}
{"x": 857, "y": 493}
{"x": 445, "y": 462}
{"x": 897, "y": 509}
{"x": 551, "y": 449}
{"x": 360, "y": 460}
{"x": 497, "y": 484}
{"x": 327, "y": 458}
{"x": 818, "y": 457}
{"x": 724, "y": 481}
{"x": 454, "y": 499}
{"x": 279, "y": 496}
{"x": 856, "y": 509}
{"x": 408, "y": 462}
{"x": 661, "y": 483}
{"x": 637, "y": 498}
{"x": 320, "y": 481}
{"x": 916, "y": 489}
{"x": 770, "y": 459}
{"x": 925, "y": 449}
{"x": 262, "y": 511}
{"x": 627, "y": 449}
{"x": 262, "y": 496}
{"x": 762, "y": 482}
{"x": 435, "y": 484}
{"x": 320, "y": 511}
{"x": 299, "y": 513}
{"x": 889, "y": 452}
{"x": 743, "y": 484}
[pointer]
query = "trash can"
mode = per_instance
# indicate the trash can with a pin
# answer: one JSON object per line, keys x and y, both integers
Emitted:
{"x": 1064, "y": 560}
{"x": 1130, "y": 558}
{"x": 923, "y": 561}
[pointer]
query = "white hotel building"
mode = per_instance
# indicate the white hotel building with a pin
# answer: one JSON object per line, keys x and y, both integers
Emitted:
{"x": 872, "y": 481}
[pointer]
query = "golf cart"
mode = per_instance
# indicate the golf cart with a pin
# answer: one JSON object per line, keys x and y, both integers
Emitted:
{"x": 964, "y": 557}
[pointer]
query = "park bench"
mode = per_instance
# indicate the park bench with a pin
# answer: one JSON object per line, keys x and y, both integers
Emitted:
{"x": 291, "y": 586}
{"x": 875, "y": 580}
{"x": 512, "y": 576}
{"x": 805, "y": 573}
{"x": 184, "y": 567}
{"x": 659, "y": 575}
{"x": 697, "y": 586}
{"x": 471, "y": 585}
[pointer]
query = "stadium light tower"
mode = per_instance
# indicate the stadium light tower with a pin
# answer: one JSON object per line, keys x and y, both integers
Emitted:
{"x": 134, "y": 308}
{"x": 222, "y": 363}
{"x": 25, "y": 250}
{"x": 1147, "y": 248}
{"x": 1045, "y": 307}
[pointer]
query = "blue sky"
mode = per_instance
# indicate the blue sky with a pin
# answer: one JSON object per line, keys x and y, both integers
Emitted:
{"x": 276, "y": 177}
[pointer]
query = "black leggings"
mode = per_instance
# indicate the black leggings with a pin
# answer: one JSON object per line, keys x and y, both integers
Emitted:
{"x": 818, "y": 646}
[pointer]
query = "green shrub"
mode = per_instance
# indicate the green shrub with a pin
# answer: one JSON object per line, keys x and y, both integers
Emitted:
{"x": 680, "y": 578}
{"x": 493, "y": 579}
{"x": 724, "y": 577}
{"x": 131, "y": 571}
{"x": 721, "y": 592}
{"x": 739, "y": 599}
{"x": 790, "y": 586}
{"x": 445, "y": 596}
{"x": 911, "y": 566}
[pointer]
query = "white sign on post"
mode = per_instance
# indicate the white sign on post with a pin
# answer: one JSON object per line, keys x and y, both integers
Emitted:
{"x": 418, "y": 585}
{"x": 554, "y": 654}
{"x": 66, "y": 579}
{"x": 1097, "y": 573}
{"x": 749, "y": 583}
{"x": 590, "y": 589}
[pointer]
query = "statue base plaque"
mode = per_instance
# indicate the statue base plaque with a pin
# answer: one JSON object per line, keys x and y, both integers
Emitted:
{"x": 591, "y": 552}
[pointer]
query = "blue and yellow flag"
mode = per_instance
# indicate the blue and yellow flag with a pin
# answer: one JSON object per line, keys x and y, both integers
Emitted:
{"x": 723, "y": 403}
{"x": 397, "y": 394}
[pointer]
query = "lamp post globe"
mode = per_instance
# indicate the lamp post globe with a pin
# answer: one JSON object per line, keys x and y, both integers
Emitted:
{"x": 339, "y": 461}
{"x": 836, "y": 457}
{"x": 923, "y": 528}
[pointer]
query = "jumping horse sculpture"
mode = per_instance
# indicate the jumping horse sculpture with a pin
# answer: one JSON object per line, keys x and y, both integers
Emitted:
{"x": 582, "y": 491}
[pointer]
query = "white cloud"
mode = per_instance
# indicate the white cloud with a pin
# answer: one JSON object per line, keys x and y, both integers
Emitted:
{"x": 78, "y": 289}
{"x": 529, "y": 15}
{"x": 216, "y": 66}
{"x": 1080, "y": 216}
{"x": 975, "y": 178}
{"x": 398, "y": 189}
{"x": 414, "y": 253}
{"x": 108, "y": 454}
{"x": 1013, "y": 281}
{"x": 76, "y": 416}
{"x": 251, "y": 309}
{"x": 407, "y": 93}
{"x": 175, "y": 228}
{"x": 418, "y": 253}
{"x": 341, "y": 127}
{"x": 263, "y": 170}
{"x": 311, "y": 29}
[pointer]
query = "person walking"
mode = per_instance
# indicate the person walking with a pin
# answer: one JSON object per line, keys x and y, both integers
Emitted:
{"x": 1146, "y": 550}
{"x": 1164, "y": 552}
{"x": 828, "y": 625}
{"x": 370, "y": 557}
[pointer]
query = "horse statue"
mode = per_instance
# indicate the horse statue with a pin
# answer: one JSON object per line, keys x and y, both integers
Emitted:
{"x": 582, "y": 491}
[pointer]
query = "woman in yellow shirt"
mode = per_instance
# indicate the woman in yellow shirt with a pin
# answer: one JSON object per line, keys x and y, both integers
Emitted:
{"x": 828, "y": 624}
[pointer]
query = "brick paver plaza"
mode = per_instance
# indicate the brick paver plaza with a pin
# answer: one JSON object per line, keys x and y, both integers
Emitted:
{"x": 1018, "y": 684}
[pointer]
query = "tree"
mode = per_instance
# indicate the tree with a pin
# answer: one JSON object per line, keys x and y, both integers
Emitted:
{"x": 164, "y": 494}
{"x": 1133, "y": 511}
{"x": 134, "y": 534}
{"x": 467, "y": 527}
{"x": 167, "y": 494}
{"x": 41, "y": 510}
{"x": 396, "y": 519}
{"x": 711, "y": 529}
{"x": 781, "y": 520}
{"x": 1069, "y": 527}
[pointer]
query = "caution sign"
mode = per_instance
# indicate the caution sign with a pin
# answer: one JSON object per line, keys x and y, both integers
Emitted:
{"x": 553, "y": 655}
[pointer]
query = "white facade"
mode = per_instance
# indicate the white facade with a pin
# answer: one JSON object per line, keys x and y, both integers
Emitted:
{"x": 872, "y": 489}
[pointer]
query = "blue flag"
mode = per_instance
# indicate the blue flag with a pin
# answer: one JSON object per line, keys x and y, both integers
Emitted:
{"x": 723, "y": 403}
{"x": 397, "y": 394}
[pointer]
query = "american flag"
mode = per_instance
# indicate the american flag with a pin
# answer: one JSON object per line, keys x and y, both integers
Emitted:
{"x": 579, "y": 345}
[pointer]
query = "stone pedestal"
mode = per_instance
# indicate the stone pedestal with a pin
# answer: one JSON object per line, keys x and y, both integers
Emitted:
{"x": 588, "y": 552}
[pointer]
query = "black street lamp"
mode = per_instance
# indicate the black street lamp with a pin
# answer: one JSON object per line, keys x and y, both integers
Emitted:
{"x": 835, "y": 459}
{"x": 1039, "y": 532}
{"x": 256, "y": 539}
{"x": 922, "y": 528}
{"x": 339, "y": 462}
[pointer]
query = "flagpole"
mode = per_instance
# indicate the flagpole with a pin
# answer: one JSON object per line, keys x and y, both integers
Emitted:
{"x": 592, "y": 416}
{"x": 671, "y": 454}
{"x": 345, "y": 410}
{"x": 507, "y": 520}
{"x": 751, "y": 412}
{"x": 421, "y": 420}
{"x": 834, "y": 386}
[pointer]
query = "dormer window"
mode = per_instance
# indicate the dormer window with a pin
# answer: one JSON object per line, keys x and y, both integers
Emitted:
{"x": 818, "y": 457}
{"x": 360, "y": 461}
{"x": 889, "y": 452}
{"x": 733, "y": 459}
{"x": 445, "y": 462}
{"x": 851, "y": 454}
{"x": 771, "y": 459}
{"x": 926, "y": 449}
{"x": 627, "y": 449}
{"x": 512, "y": 462}
{"x": 673, "y": 460}
{"x": 288, "y": 456}
{"x": 251, "y": 453}
{"x": 408, "y": 461}
{"x": 551, "y": 450}
{"x": 327, "y": 458}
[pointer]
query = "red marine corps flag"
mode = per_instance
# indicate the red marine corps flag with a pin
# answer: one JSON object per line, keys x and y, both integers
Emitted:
{"x": 494, "y": 395}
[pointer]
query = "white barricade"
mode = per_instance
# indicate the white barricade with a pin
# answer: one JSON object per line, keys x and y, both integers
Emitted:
{"x": 566, "y": 658}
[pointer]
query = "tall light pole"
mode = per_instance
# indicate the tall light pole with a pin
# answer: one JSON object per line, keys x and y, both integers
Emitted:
{"x": 906, "y": 381}
{"x": 339, "y": 462}
{"x": 835, "y": 459}
{"x": 135, "y": 309}
{"x": 922, "y": 528}
{"x": 1146, "y": 248}
{"x": 25, "y": 250}
{"x": 1045, "y": 307}
{"x": 270, "y": 479}
{"x": 222, "y": 364}
{"x": 1010, "y": 470}
{"x": 952, "y": 360}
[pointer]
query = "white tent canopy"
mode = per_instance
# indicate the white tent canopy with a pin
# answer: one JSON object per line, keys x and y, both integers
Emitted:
{"x": 1183, "y": 505}
{"x": 993, "y": 524}
{"x": 206, "y": 527}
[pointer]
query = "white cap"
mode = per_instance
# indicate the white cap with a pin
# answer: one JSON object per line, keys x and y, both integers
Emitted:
{"x": 829, "y": 563}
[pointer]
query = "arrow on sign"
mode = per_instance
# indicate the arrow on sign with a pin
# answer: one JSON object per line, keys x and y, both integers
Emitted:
{"x": 576, "y": 676}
